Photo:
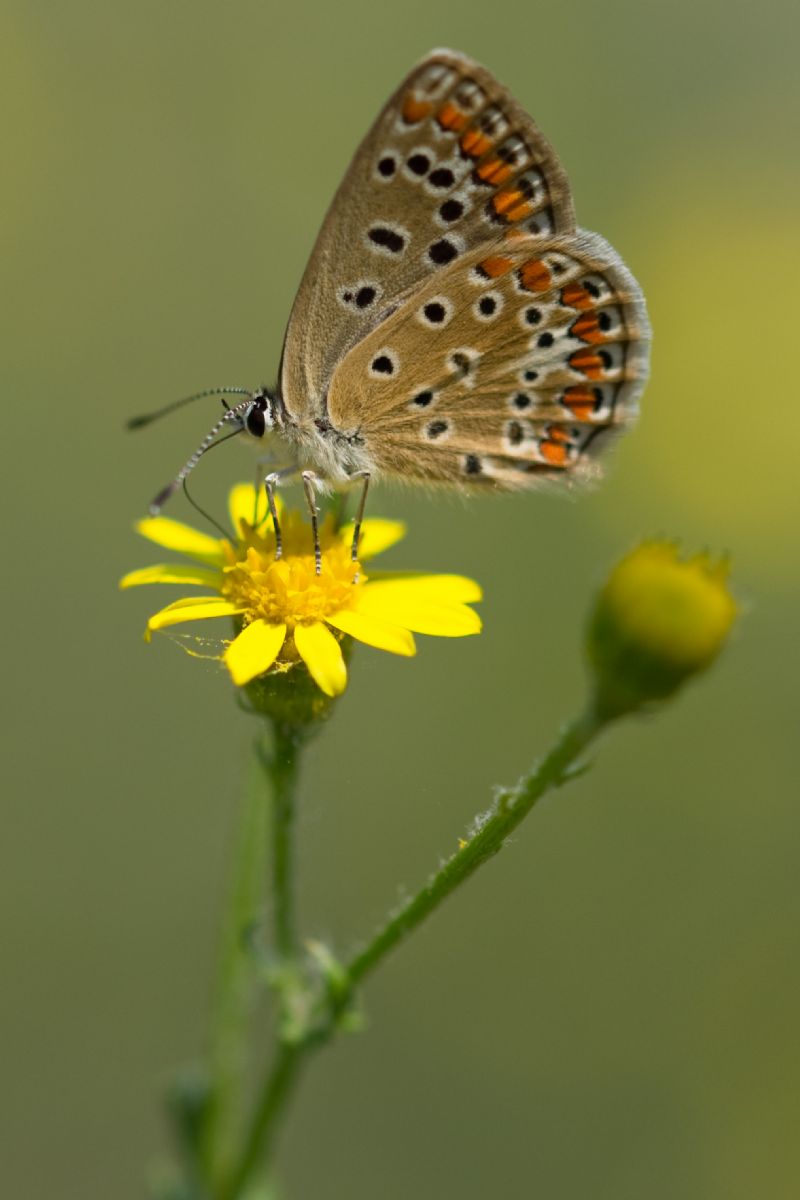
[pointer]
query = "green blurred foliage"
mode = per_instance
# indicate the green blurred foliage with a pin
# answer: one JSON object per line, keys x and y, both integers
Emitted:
{"x": 610, "y": 1008}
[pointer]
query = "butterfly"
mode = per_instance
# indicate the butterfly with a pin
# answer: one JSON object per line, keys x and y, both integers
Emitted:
{"x": 453, "y": 326}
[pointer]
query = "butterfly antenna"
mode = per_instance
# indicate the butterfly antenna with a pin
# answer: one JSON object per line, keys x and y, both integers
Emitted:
{"x": 232, "y": 414}
{"x": 203, "y": 513}
{"x": 147, "y": 418}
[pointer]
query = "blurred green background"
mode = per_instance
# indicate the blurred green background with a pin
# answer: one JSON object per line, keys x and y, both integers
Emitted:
{"x": 610, "y": 1009}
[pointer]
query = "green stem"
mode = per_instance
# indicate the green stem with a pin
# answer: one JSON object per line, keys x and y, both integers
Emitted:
{"x": 491, "y": 831}
{"x": 280, "y": 765}
{"x": 281, "y": 768}
{"x": 270, "y": 1110}
{"x": 277, "y": 759}
{"x": 511, "y": 806}
{"x": 234, "y": 997}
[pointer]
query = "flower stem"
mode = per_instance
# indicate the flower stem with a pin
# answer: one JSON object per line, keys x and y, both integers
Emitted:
{"x": 281, "y": 767}
{"x": 270, "y": 1109}
{"x": 279, "y": 762}
{"x": 490, "y": 833}
{"x": 268, "y": 817}
{"x": 234, "y": 1000}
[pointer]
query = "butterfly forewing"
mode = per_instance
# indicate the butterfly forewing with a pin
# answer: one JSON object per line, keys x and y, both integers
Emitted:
{"x": 452, "y": 163}
{"x": 511, "y": 365}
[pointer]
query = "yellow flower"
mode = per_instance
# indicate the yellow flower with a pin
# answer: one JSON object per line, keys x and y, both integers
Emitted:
{"x": 658, "y": 620}
{"x": 286, "y": 612}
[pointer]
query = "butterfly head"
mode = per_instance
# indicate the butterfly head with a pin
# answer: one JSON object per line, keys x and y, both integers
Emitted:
{"x": 257, "y": 416}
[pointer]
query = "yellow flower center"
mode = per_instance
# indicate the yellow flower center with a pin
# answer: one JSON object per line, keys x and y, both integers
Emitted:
{"x": 289, "y": 591}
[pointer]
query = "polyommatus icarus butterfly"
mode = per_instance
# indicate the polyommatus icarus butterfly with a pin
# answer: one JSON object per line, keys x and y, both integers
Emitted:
{"x": 453, "y": 325}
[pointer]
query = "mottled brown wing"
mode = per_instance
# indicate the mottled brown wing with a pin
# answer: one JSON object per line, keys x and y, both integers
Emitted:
{"x": 451, "y": 163}
{"x": 507, "y": 368}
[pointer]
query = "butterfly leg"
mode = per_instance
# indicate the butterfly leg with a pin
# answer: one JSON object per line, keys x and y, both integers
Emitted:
{"x": 270, "y": 483}
{"x": 309, "y": 480}
{"x": 263, "y": 463}
{"x": 365, "y": 477}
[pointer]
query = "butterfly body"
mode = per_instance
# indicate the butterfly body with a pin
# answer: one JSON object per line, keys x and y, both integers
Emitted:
{"x": 312, "y": 443}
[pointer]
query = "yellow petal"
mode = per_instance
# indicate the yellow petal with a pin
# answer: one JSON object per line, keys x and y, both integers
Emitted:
{"x": 254, "y": 651}
{"x": 374, "y": 632}
{"x": 196, "y": 608}
{"x": 377, "y": 535}
{"x": 174, "y": 535}
{"x": 322, "y": 654}
{"x": 247, "y": 504}
{"x": 172, "y": 573}
{"x": 194, "y": 602}
{"x": 418, "y": 613}
{"x": 449, "y": 589}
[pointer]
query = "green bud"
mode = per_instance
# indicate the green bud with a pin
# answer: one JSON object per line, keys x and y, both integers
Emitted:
{"x": 290, "y": 697}
{"x": 657, "y": 621}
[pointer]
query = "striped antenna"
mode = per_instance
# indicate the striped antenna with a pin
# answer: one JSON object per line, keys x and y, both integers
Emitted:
{"x": 146, "y": 418}
{"x": 232, "y": 414}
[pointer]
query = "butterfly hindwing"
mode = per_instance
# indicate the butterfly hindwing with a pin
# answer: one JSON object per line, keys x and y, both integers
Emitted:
{"x": 512, "y": 365}
{"x": 451, "y": 163}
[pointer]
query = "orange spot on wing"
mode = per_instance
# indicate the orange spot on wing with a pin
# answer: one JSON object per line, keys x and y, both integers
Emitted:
{"x": 506, "y": 203}
{"x": 495, "y": 171}
{"x": 414, "y": 110}
{"x": 474, "y": 143}
{"x": 588, "y": 362}
{"x": 557, "y": 434}
{"x": 581, "y": 402}
{"x": 587, "y": 328}
{"x": 450, "y": 117}
{"x": 554, "y": 447}
{"x": 520, "y": 212}
{"x": 495, "y": 265}
{"x": 575, "y": 295}
{"x": 535, "y": 276}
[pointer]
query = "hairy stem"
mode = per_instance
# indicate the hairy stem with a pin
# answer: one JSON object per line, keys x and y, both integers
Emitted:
{"x": 489, "y": 834}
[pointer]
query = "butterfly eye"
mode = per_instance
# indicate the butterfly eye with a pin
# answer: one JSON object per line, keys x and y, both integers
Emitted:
{"x": 256, "y": 418}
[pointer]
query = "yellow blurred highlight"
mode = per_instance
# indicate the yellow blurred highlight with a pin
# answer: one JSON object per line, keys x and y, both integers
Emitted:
{"x": 720, "y": 428}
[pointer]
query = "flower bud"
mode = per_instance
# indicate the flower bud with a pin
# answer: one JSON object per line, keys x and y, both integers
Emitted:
{"x": 657, "y": 621}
